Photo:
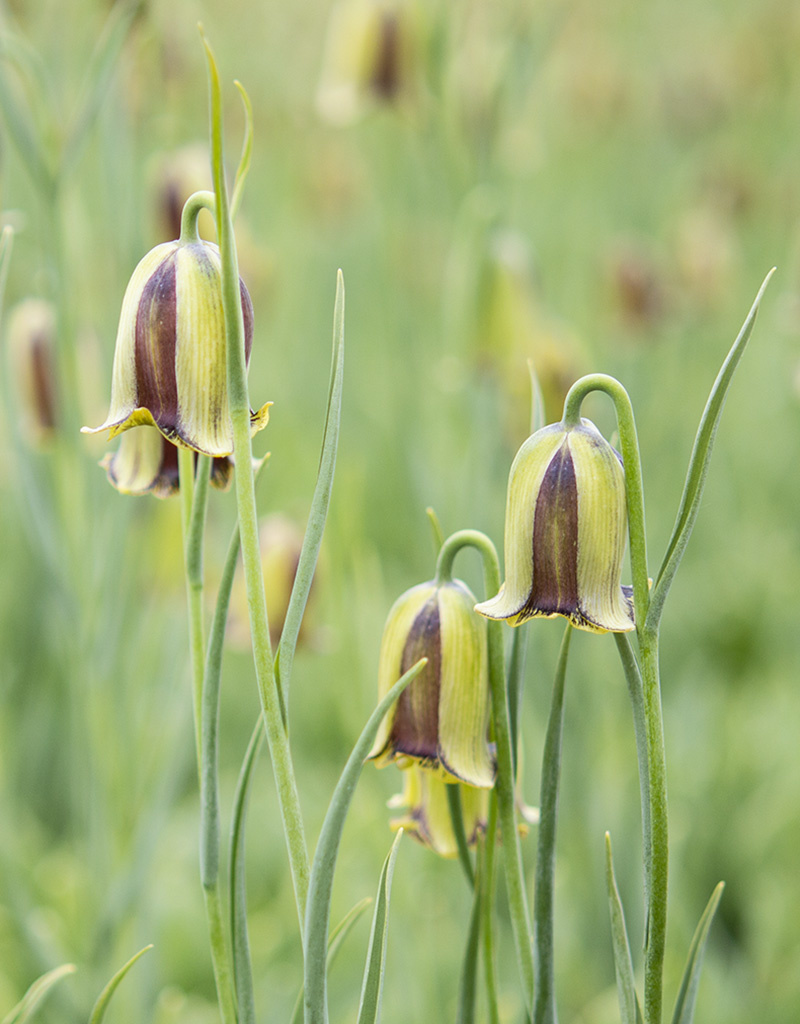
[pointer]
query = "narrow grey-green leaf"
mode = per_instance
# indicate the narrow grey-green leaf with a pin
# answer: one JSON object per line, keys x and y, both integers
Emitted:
{"x": 687, "y": 994}
{"x": 100, "y": 1007}
{"x": 38, "y": 990}
{"x": 369, "y": 1009}
{"x": 629, "y": 1010}
{"x": 324, "y": 864}
{"x": 320, "y": 502}
{"x": 698, "y": 466}
{"x": 240, "y": 941}
{"x": 98, "y": 77}
{"x": 247, "y": 151}
{"x": 537, "y": 400}
{"x": 335, "y": 943}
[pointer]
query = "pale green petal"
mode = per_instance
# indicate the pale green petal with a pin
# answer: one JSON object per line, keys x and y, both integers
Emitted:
{"x": 463, "y": 688}
{"x": 134, "y": 467}
{"x": 524, "y": 481}
{"x": 395, "y": 634}
{"x": 123, "y": 377}
{"x": 602, "y": 529}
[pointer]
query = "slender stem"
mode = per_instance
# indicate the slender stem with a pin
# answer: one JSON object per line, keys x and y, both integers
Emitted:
{"x": 194, "y": 501}
{"x": 488, "y": 887}
{"x": 504, "y": 786}
{"x": 659, "y": 850}
{"x": 631, "y": 461}
{"x": 633, "y": 677}
{"x": 457, "y": 822}
{"x": 239, "y": 405}
{"x": 544, "y": 1009}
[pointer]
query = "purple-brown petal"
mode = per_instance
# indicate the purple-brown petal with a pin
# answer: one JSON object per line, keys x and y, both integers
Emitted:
{"x": 555, "y": 540}
{"x": 155, "y": 335}
{"x": 415, "y": 730}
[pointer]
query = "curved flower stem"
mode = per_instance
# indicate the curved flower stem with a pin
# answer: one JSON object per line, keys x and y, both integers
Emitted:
{"x": 504, "y": 786}
{"x": 192, "y": 208}
{"x": 239, "y": 404}
{"x": 194, "y": 501}
{"x": 631, "y": 461}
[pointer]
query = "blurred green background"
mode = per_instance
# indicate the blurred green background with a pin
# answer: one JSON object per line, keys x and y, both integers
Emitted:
{"x": 594, "y": 187}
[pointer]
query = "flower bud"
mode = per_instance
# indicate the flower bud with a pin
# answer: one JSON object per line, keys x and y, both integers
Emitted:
{"x": 147, "y": 463}
{"x": 31, "y": 335}
{"x": 441, "y": 719}
{"x": 565, "y": 532}
{"x": 170, "y": 368}
{"x": 427, "y": 814}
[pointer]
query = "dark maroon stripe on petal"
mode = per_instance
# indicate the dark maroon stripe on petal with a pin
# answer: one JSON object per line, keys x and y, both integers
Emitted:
{"x": 555, "y": 539}
{"x": 157, "y": 386}
{"x": 415, "y": 729}
{"x": 385, "y": 80}
{"x": 42, "y": 360}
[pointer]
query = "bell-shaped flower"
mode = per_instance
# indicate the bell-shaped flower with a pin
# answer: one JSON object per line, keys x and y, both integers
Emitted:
{"x": 31, "y": 345}
{"x": 565, "y": 532}
{"x": 170, "y": 367}
{"x": 147, "y": 463}
{"x": 441, "y": 719}
{"x": 426, "y": 811}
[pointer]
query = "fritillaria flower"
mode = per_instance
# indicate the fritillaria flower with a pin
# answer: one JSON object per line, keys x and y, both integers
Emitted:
{"x": 426, "y": 812}
{"x": 31, "y": 335}
{"x": 565, "y": 532}
{"x": 441, "y": 719}
{"x": 147, "y": 463}
{"x": 170, "y": 366}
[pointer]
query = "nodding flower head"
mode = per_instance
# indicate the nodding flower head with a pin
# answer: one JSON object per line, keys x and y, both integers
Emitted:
{"x": 441, "y": 720}
{"x": 170, "y": 368}
{"x": 147, "y": 463}
{"x": 565, "y": 532}
{"x": 426, "y": 812}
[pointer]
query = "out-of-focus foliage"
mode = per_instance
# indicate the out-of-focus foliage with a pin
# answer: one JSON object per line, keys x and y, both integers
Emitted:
{"x": 596, "y": 187}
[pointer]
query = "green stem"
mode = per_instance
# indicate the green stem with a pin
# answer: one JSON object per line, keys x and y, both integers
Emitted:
{"x": 239, "y": 405}
{"x": 659, "y": 849}
{"x": 192, "y": 208}
{"x": 194, "y": 502}
{"x": 488, "y": 887}
{"x": 504, "y": 786}
{"x": 544, "y": 1010}
{"x": 631, "y": 461}
{"x": 457, "y": 822}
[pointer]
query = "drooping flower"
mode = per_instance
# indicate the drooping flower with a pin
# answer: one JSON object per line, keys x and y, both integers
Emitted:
{"x": 31, "y": 345}
{"x": 147, "y": 463}
{"x": 441, "y": 719}
{"x": 170, "y": 366}
{"x": 565, "y": 532}
{"x": 426, "y": 813}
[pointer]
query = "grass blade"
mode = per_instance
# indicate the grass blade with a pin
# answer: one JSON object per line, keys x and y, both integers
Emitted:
{"x": 322, "y": 869}
{"x": 369, "y": 1009}
{"x": 698, "y": 466}
{"x": 100, "y": 1007}
{"x": 629, "y": 1009}
{"x": 319, "y": 503}
{"x": 38, "y": 990}
{"x": 687, "y": 994}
